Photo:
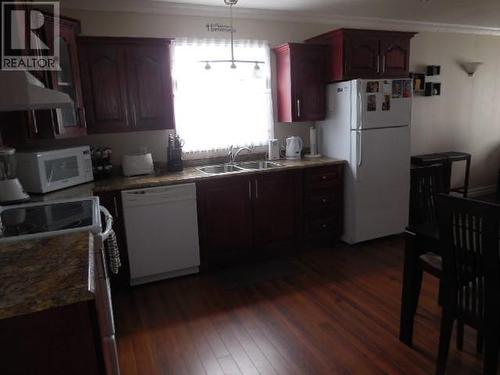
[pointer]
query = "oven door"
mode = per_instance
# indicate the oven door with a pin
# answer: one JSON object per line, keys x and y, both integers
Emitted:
{"x": 61, "y": 170}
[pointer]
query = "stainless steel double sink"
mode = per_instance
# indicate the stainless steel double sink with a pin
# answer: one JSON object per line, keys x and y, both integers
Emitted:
{"x": 238, "y": 167}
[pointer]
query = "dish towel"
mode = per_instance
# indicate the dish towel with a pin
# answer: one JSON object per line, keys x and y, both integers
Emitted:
{"x": 111, "y": 246}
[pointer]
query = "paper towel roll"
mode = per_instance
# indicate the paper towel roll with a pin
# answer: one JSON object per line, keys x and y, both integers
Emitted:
{"x": 312, "y": 141}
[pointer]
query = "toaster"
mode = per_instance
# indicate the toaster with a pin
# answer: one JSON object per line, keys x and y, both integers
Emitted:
{"x": 137, "y": 164}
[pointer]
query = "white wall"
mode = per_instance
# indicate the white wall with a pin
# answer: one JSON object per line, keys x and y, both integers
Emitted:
{"x": 464, "y": 118}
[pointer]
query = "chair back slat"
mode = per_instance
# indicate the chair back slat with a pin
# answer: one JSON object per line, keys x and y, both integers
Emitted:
{"x": 425, "y": 183}
{"x": 468, "y": 230}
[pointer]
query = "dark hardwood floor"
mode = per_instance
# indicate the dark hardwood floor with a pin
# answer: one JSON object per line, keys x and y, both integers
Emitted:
{"x": 339, "y": 314}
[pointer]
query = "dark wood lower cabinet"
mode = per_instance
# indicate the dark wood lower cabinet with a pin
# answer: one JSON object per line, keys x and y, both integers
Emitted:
{"x": 323, "y": 204}
{"x": 224, "y": 219}
{"x": 263, "y": 215}
{"x": 276, "y": 211}
{"x": 59, "y": 341}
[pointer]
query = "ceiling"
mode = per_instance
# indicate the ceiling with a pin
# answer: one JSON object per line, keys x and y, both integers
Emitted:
{"x": 480, "y": 13}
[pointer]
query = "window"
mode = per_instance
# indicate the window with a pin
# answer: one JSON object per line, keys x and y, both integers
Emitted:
{"x": 219, "y": 107}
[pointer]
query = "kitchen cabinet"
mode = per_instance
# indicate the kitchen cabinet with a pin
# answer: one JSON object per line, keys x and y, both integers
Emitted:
{"x": 113, "y": 202}
{"x": 276, "y": 213}
{"x": 354, "y": 53}
{"x": 56, "y": 123}
{"x": 224, "y": 219}
{"x": 62, "y": 340}
{"x": 127, "y": 84}
{"x": 248, "y": 217}
{"x": 301, "y": 82}
{"x": 323, "y": 203}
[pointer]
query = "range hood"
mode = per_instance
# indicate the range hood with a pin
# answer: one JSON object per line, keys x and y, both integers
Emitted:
{"x": 21, "y": 91}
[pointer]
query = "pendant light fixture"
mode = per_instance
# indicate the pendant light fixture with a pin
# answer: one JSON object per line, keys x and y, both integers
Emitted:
{"x": 232, "y": 61}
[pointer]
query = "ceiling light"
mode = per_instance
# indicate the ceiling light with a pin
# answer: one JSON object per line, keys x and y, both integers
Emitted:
{"x": 233, "y": 61}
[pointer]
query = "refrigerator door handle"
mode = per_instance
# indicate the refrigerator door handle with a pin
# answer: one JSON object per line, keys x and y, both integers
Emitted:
{"x": 359, "y": 124}
{"x": 359, "y": 149}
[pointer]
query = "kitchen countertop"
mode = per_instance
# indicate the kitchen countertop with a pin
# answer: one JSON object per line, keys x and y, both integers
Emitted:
{"x": 192, "y": 174}
{"x": 37, "y": 275}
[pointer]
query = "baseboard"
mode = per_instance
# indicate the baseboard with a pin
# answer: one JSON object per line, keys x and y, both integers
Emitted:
{"x": 482, "y": 190}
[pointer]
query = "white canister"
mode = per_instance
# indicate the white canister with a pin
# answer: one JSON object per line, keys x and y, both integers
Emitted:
{"x": 273, "y": 149}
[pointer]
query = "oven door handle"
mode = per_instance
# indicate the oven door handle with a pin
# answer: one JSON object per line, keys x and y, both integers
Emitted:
{"x": 109, "y": 223}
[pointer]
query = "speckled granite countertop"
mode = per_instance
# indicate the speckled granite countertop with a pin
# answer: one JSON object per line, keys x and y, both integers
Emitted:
{"x": 37, "y": 275}
{"x": 189, "y": 174}
{"x": 192, "y": 174}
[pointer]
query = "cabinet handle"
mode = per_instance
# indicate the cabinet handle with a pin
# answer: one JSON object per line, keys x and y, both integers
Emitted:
{"x": 383, "y": 64}
{"x": 298, "y": 107}
{"x": 323, "y": 177}
{"x": 249, "y": 190}
{"x": 324, "y": 226}
{"x": 35, "y": 125}
{"x": 324, "y": 200}
{"x": 256, "y": 189}
{"x": 134, "y": 115}
{"x": 378, "y": 63}
{"x": 82, "y": 118}
{"x": 116, "y": 207}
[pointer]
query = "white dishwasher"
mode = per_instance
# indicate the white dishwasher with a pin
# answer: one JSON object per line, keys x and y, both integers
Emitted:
{"x": 161, "y": 226}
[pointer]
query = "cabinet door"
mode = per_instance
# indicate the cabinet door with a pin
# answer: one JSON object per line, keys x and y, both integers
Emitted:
{"x": 277, "y": 206}
{"x": 395, "y": 55}
{"x": 68, "y": 122}
{"x": 104, "y": 87}
{"x": 224, "y": 219}
{"x": 361, "y": 56}
{"x": 308, "y": 83}
{"x": 150, "y": 86}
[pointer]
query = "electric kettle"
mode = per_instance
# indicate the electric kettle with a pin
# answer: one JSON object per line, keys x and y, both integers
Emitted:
{"x": 294, "y": 148}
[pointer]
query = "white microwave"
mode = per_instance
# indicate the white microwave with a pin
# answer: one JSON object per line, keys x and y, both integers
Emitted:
{"x": 48, "y": 170}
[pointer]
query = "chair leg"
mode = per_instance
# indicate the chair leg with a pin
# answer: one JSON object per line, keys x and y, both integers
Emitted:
{"x": 492, "y": 345}
{"x": 460, "y": 334}
{"x": 444, "y": 341}
{"x": 440, "y": 294}
{"x": 479, "y": 342}
{"x": 419, "y": 274}
{"x": 408, "y": 304}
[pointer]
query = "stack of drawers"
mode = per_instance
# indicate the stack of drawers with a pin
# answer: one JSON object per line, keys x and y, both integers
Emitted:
{"x": 323, "y": 187}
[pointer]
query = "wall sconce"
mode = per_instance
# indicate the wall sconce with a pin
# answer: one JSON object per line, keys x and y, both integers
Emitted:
{"x": 471, "y": 67}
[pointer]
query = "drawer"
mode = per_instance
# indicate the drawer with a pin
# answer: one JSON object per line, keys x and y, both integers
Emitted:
{"x": 322, "y": 225}
{"x": 322, "y": 177}
{"x": 321, "y": 202}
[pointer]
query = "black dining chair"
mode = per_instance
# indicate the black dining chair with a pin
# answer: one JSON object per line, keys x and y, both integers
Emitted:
{"x": 469, "y": 238}
{"x": 421, "y": 241}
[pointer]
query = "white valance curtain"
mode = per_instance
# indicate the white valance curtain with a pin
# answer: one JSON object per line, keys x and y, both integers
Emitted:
{"x": 219, "y": 107}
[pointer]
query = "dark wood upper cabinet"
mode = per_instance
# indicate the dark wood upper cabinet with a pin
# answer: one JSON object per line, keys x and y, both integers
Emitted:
{"x": 395, "y": 54}
{"x": 357, "y": 53}
{"x": 56, "y": 123}
{"x": 150, "y": 86}
{"x": 361, "y": 56}
{"x": 127, "y": 84}
{"x": 301, "y": 82}
{"x": 276, "y": 210}
{"x": 104, "y": 87}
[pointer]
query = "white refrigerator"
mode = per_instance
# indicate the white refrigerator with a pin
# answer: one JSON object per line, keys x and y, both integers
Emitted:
{"x": 368, "y": 124}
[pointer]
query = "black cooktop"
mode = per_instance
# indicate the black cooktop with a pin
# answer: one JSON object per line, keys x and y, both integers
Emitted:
{"x": 48, "y": 217}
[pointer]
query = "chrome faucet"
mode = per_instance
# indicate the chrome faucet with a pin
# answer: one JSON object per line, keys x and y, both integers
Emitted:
{"x": 233, "y": 155}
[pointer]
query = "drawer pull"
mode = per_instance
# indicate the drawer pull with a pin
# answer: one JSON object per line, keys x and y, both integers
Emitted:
{"x": 324, "y": 200}
{"x": 323, "y": 177}
{"x": 324, "y": 226}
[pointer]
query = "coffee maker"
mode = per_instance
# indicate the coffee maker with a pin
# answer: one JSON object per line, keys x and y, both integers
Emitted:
{"x": 11, "y": 190}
